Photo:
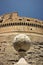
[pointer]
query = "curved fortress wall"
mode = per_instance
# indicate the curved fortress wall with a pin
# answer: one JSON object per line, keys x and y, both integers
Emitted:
{"x": 20, "y": 37}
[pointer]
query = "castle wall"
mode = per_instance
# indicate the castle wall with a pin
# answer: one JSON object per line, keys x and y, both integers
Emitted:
{"x": 14, "y": 26}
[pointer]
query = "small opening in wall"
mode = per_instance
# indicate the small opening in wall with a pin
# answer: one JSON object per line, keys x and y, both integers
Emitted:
{"x": 20, "y": 19}
{"x": 1, "y": 20}
{"x": 28, "y": 19}
{"x": 26, "y": 23}
{"x": 13, "y": 23}
{"x": 31, "y": 29}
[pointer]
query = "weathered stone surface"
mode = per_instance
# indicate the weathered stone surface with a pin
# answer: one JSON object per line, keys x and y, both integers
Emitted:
{"x": 20, "y": 37}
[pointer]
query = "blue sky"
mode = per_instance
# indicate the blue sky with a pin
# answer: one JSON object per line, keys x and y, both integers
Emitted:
{"x": 27, "y": 8}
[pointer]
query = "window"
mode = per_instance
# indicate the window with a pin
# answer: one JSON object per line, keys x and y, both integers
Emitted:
{"x": 28, "y": 19}
{"x": 31, "y": 29}
{"x": 26, "y": 23}
{"x": 20, "y": 19}
{"x": 1, "y": 20}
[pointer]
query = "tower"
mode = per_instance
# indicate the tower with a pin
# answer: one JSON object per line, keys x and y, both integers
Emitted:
{"x": 20, "y": 37}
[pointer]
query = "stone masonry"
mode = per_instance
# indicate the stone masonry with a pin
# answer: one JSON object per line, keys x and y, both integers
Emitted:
{"x": 20, "y": 37}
